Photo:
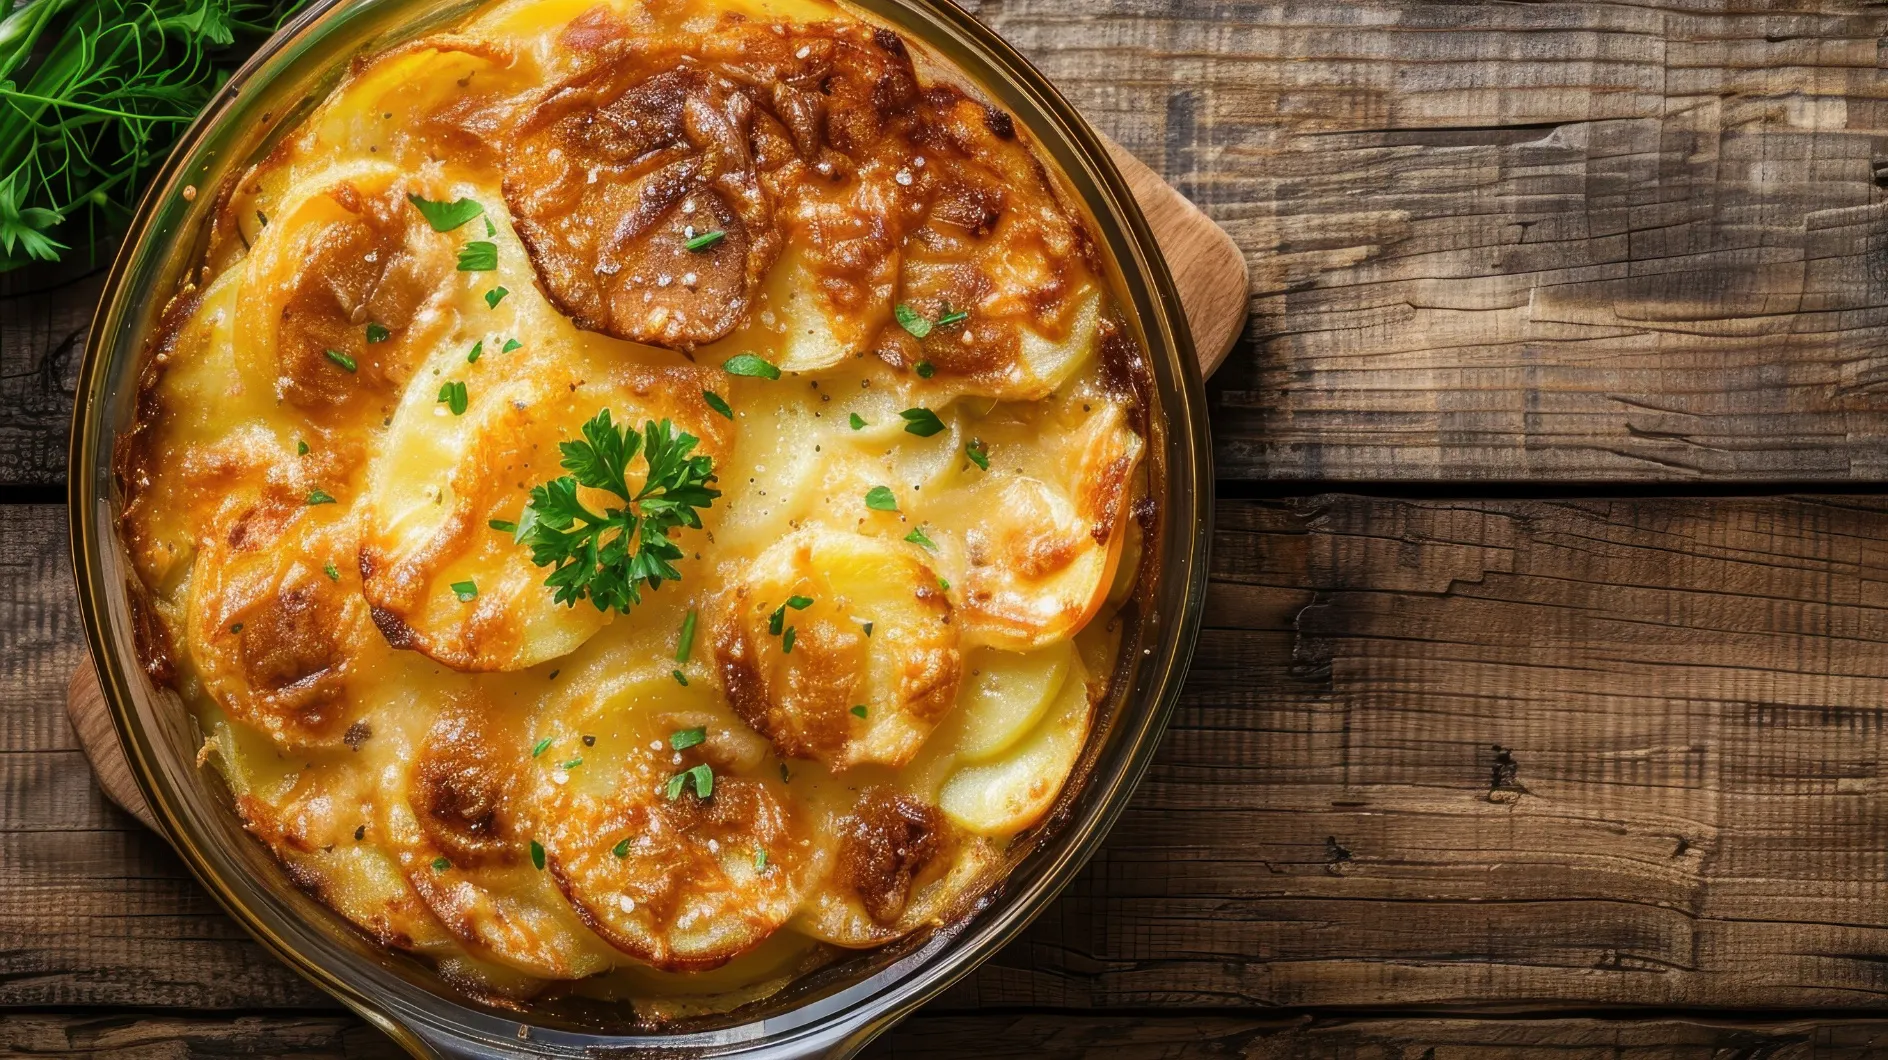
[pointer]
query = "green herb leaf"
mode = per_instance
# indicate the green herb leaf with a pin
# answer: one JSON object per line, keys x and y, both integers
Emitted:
{"x": 683, "y": 739}
{"x": 881, "y": 499}
{"x": 750, "y": 365}
{"x": 917, "y": 537}
{"x": 490, "y": 228}
{"x": 572, "y": 764}
{"x": 440, "y": 864}
{"x": 621, "y": 849}
{"x": 465, "y": 591}
{"x": 702, "y": 776}
{"x": 446, "y": 216}
{"x": 944, "y": 583}
{"x": 376, "y": 333}
{"x": 537, "y": 855}
{"x": 799, "y": 603}
{"x": 478, "y": 256}
{"x": 948, "y": 319}
{"x": 453, "y": 396}
{"x": 503, "y": 526}
{"x": 859, "y": 711}
{"x": 539, "y": 747}
{"x": 495, "y": 296}
{"x": 716, "y": 402}
{"x": 912, "y": 321}
{"x": 680, "y": 677}
{"x": 347, "y": 363}
{"x": 319, "y": 497}
{"x": 301, "y": 447}
{"x": 925, "y": 370}
{"x": 922, "y": 422}
{"x": 858, "y": 422}
{"x": 609, "y": 557}
{"x": 786, "y": 641}
{"x": 704, "y": 241}
{"x": 760, "y": 859}
{"x": 510, "y": 345}
{"x": 478, "y": 350}
{"x": 868, "y": 629}
{"x": 980, "y": 456}
{"x": 687, "y": 640}
{"x": 777, "y": 620}
{"x": 333, "y": 572}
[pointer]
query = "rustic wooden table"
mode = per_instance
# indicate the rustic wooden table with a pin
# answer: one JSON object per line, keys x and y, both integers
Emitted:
{"x": 1541, "y": 707}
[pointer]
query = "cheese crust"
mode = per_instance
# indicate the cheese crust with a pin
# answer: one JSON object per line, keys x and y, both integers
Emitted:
{"x": 902, "y": 612}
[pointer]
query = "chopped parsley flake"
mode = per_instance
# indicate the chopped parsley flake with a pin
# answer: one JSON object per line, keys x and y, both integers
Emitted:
{"x": 944, "y": 583}
{"x": 503, "y": 526}
{"x": 777, "y": 620}
{"x": 912, "y": 321}
{"x": 716, "y": 402}
{"x": 948, "y": 319}
{"x": 621, "y": 849}
{"x": 703, "y": 777}
{"x": 572, "y": 764}
{"x": 680, "y": 677}
{"x": 495, "y": 296}
{"x": 537, "y": 855}
{"x": 301, "y": 447}
{"x": 868, "y": 629}
{"x": 686, "y": 641}
{"x": 510, "y": 345}
{"x": 446, "y": 216}
{"x": 978, "y": 454}
{"x": 917, "y": 537}
{"x": 751, "y": 365}
{"x": 453, "y": 396}
{"x": 760, "y": 859}
{"x": 465, "y": 591}
{"x": 342, "y": 359}
{"x": 704, "y": 241}
{"x": 881, "y": 499}
{"x": 683, "y": 739}
{"x": 440, "y": 864}
{"x": 786, "y": 641}
{"x": 376, "y": 333}
{"x": 333, "y": 572}
{"x": 540, "y": 747}
{"x": 478, "y": 256}
{"x": 859, "y": 711}
{"x": 925, "y": 370}
{"x": 858, "y": 422}
{"x": 319, "y": 497}
{"x": 922, "y": 422}
{"x": 478, "y": 350}
{"x": 799, "y": 603}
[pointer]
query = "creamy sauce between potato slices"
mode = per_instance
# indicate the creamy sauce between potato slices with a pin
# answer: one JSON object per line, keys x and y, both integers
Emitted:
{"x": 878, "y": 699}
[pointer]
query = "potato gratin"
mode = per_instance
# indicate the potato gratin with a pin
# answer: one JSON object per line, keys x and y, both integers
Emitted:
{"x": 639, "y": 496}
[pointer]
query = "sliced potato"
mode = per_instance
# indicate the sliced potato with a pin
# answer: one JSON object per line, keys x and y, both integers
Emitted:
{"x": 681, "y": 874}
{"x": 1006, "y": 695}
{"x": 1005, "y": 796}
{"x": 840, "y": 648}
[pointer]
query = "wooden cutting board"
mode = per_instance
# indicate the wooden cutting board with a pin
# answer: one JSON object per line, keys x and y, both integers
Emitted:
{"x": 1208, "y": 270}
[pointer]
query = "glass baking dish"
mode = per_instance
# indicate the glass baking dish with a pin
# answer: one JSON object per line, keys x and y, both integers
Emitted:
{"x": 836, "y": 1010}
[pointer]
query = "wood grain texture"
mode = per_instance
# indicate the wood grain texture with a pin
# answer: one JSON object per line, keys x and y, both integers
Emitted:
{"x": 1041, "y": 1037}
{"x": 1469, "y": 753}
{"x": 1543, "y": 241}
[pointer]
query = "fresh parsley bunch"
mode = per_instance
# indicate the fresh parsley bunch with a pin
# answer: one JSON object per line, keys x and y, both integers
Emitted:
{"x": 610, "y": 557}
{"x": 92, "y": 94}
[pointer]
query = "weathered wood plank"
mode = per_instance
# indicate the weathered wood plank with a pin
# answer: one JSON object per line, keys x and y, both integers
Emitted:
{"x": 1457, "y": 753}
{"x": 1040, "y": 1037}
{"x": 1547, "y": 241}
{"x": 44, "y": 316}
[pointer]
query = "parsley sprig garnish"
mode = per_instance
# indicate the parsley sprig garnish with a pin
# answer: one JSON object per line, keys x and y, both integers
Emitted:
{"x": 609, "y": 557}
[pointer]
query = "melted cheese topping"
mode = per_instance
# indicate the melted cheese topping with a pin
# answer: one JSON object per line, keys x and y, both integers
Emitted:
{"x": 487, "y": 779}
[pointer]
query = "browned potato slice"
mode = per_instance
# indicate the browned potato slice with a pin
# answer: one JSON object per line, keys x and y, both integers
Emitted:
{"x": 613, "y": 175}
{"x": 351, "y": 252}
{"x": 801, "y": 666}
{"x": 276, "y": 640}
{"x": 456, "y": 816}
{"x": 676, "y": 874}
{"x": 888, "y": 864}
